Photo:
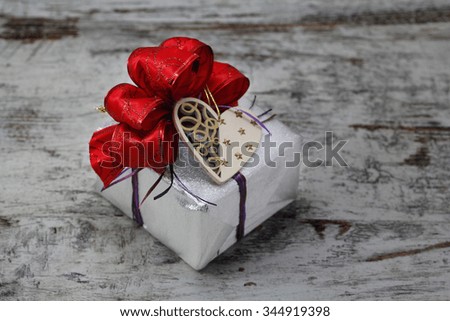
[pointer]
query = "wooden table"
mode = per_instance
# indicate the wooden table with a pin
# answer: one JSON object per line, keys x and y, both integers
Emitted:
{"x": 375, "y": 73}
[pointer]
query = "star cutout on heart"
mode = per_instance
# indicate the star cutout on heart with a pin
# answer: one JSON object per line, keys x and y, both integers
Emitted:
{"x": 241, "y": 131}
{"x": 238, "y": 114}
{"x": 238, "y": 155}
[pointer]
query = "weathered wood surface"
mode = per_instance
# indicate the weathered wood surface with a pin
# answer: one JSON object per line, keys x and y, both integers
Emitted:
{"x": 376, "y": 73}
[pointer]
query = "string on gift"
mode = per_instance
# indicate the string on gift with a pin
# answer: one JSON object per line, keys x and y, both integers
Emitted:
{"x": 133, "y": 172}
{"x": 150, "y": 190}
{"x": 122, "y": 172}
{"x": 242, "y": 183}
{"x": 253, "y": 102}
{"x": 265, "y": 113}
{"x": 269, "y": 118}
{"x": 168, "y": 188}
{"x": 137, "y": 216}
{"x": 135, "y": 183}
{"x": 180, "y": 183}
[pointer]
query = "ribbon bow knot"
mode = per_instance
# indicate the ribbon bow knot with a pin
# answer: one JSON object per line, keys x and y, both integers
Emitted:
{"x": 145, "y": 135}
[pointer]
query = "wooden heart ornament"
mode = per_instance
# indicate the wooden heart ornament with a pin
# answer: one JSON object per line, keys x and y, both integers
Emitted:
{"x": 223, "y": 143}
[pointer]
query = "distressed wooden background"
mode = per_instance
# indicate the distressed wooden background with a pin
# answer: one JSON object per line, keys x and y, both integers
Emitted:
{"x": 376, "y": 73}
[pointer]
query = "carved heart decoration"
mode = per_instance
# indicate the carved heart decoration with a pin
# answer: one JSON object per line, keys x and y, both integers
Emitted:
{"x": 221, "y": 144}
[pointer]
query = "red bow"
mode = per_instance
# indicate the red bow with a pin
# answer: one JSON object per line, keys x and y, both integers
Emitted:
{"x": 145, "y": 136}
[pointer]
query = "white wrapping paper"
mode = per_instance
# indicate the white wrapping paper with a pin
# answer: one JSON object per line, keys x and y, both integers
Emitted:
{"x": 199, "y": 232}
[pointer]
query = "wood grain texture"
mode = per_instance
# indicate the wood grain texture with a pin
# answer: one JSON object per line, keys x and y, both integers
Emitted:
{"x": 375, "y": 73}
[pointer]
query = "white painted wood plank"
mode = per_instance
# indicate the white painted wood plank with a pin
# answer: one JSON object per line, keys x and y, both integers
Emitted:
{"x": 374, "y": 73}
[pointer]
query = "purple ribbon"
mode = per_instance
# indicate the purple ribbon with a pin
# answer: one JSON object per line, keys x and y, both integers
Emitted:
{"x": 135, "y": 205}
{"x": 137, "y": 216}
{"x": 266, "y": 112}
{"x": 242, "y": 183}
{"x": 118, "y": 180}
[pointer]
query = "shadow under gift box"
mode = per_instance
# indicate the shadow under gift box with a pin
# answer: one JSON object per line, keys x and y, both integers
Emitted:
{"x": 196, "y": 231}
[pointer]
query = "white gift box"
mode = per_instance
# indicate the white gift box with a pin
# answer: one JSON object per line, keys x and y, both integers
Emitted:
{"x": 199, "y": 232}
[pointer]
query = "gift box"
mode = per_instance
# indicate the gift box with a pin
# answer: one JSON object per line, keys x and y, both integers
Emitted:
{"x": 196, "y": 231}
{"x": 188, "y": 163}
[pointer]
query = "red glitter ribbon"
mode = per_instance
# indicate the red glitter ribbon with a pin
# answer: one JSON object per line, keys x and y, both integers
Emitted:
{"x": 145, "y": 135}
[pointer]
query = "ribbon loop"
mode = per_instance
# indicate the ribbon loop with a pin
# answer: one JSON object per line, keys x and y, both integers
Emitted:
{"x": 227, "y": 84}
{"x": 106, "y": 164}
{"x": 168, "y": 72}
{"x": 131, "y": 105}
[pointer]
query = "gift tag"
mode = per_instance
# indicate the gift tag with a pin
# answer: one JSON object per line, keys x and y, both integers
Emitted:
{"x": 222, "y": 144}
